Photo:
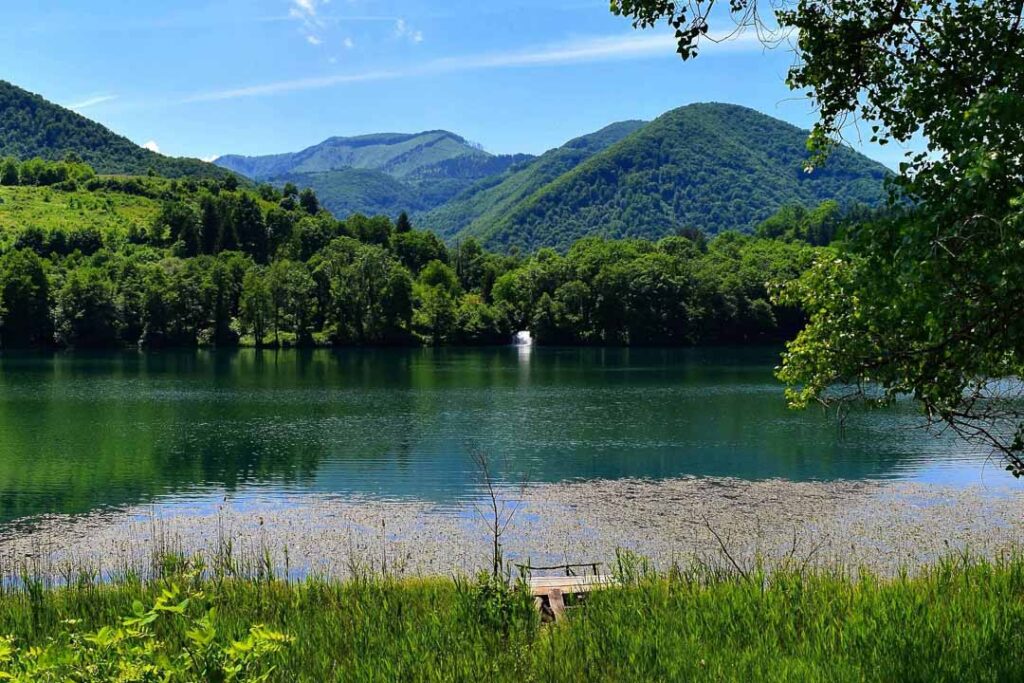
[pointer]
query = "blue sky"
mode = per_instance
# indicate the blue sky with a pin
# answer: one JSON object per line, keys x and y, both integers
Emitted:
{"x": 203, "y": 78}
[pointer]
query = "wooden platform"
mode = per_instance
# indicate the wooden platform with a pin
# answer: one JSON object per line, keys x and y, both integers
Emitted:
{"x": 550, "y": 590}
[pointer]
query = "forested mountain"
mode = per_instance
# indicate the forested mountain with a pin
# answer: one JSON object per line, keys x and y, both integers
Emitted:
{"x": 486, "y": 203}
{"x": 382, "y": 173}
{"x": 709, "y": 166}
{"x": 712, "y": 166}
{"x": 31, "y": 126}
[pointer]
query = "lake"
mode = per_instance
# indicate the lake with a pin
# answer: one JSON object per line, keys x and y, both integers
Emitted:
{"x": 81, "y": 432}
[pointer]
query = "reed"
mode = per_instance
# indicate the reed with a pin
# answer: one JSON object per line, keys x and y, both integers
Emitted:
{"x": 960, "y": 619}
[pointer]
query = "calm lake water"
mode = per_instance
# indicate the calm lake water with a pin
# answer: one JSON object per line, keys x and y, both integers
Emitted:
{"x": 80, "y": 432}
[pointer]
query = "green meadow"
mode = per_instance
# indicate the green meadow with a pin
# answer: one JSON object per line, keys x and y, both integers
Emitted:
{"x": 959, "y": 620}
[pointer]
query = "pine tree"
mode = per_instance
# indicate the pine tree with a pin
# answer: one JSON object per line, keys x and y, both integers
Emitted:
{"x": 403, "y": 224}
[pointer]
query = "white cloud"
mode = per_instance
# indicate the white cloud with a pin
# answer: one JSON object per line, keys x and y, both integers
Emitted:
{"x": 92, "y": 101}
{"x": 404, "y": 30}
{"x": 638, "y": 45}
{"x": 152, "y": 146}
{"x": 305, "y": 11}
{"x": 304, "y": 6}
{"x": 349, "y": 43}
{"x": 210, "y": 159}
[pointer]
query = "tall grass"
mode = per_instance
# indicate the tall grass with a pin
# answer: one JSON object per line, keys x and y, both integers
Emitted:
{"x": 959, "y": 620}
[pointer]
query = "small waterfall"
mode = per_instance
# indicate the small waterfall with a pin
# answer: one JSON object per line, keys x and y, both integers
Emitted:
{"x": 522, "y": 338}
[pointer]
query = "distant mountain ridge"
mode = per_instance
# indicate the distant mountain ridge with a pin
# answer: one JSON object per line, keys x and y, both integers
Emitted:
{"x": 31, "y": 126}
{"x": 397, "y": 154}
{"x": 382, "y": 172}
{"x": 710, "y": 166}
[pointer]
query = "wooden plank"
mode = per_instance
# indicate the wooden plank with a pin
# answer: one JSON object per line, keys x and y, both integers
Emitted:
{"x": 556, "y": 603}
{"x": 543, "y": 585}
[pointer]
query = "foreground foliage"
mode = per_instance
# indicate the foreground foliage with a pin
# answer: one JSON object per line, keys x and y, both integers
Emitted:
{"x": 134, "y": 649}
{"x": 956, "y": 621}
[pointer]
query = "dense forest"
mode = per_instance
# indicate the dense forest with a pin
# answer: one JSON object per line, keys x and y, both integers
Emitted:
{"x": 207, "y": 262}
{"x": 30, "y": 126}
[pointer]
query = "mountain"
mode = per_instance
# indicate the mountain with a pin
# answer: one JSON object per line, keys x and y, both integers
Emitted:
{"x": 382, "y": 173}
{"x": 396, "y": 154}
{"x": 708, "y": 166}
{"x": 484, "y": 204}
{"x": 31, "y": 126}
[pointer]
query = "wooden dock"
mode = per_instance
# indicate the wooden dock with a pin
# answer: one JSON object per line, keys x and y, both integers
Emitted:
{"x": 550, "y": 591}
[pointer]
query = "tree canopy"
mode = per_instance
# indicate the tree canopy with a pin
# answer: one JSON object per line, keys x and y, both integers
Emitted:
{"x": 212, "y": 263}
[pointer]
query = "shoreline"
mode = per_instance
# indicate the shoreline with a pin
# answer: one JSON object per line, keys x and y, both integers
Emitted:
{"x": 884, "y": 527}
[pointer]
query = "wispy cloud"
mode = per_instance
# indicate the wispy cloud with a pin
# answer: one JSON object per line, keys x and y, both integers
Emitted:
{"x": 607, "y": 48}
{"x": 92, "y": 102}
{"x": 305, "y": 11}
{"x": 405, "y": 31}
{"x": 152, "y": 146}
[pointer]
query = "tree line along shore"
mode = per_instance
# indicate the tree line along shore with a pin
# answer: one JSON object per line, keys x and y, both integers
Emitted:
{"x": 90, "y": 261}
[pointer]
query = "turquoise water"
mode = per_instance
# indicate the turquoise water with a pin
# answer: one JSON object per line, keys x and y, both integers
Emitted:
{"x": 80, "y": 432}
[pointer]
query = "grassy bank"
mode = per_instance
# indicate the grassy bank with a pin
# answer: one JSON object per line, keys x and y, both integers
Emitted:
{"x": 955, "y": 621}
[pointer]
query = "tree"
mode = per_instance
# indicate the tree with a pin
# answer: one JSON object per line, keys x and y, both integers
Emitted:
{"x": 269, "y": 193}
{"x": 370, "y": 292}
{"x": 256, "y": 306}
{"x": 178, "y": 222}
{"x": 251, "y": 228}
{"x": 85, "y": 312}
{"x": 434, "y": 315}
{"x": 211, "y": 221}
{"x": 440, "y": 275}
{"x": 925, "y": 302}
{"x": 376, "y": 230}
{"x": 476, "y": 322}
{"x": 9, "y": 172}
{"x": 308, "y": 201}
{"x": 418, "y": 248}
{"x": 280, "y": 225}
{"x": 24, "y": 300}
{"x": 292, "y": 296}
{"x": 403, "y": 225}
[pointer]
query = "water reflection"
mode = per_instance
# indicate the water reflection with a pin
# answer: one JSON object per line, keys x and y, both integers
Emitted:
{"x": 80, "y": 431}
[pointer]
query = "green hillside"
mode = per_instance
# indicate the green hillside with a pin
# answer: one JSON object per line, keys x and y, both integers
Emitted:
{"x": 384, "y": 173}
{"x": 708, "y": 166}
{"x": 31, "y": 126}
{"x": 45, "y": 208}
{"x": 485, "y": 203}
